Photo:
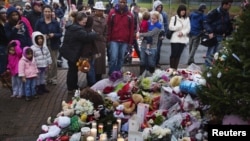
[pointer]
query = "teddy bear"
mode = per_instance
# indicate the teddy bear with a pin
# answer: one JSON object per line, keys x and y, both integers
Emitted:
{"x": 175, "y": 80}
{"x": 54, "y": 130}
{"x": 92, "y": 96}
{"x": 67, "y": 110}
{"x": 130, "y": 105}
{"x": 83, "y": 65}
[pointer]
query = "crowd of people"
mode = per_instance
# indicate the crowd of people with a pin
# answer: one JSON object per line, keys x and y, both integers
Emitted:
{"x": 31, "y": 39}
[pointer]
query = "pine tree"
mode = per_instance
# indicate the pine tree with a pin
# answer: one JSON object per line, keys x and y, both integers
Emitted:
{"x": 228, "y": 80}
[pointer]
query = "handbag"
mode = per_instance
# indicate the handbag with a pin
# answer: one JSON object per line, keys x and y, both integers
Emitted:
{"x": 207, "y": 42}
{"x": 170, "y": 32}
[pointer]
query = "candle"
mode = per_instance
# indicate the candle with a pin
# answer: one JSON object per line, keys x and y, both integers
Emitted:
{"x": 103, "y": 137}
{"x": 93, "y": 132}
{"x": 114, "y": 132}
{"x": 85, "y": 133}
{"x": 100, "y": 128}
{"x": 119, "y": 124}
{"x": 90, "y": 138}
{"x": 120, "y": 139}
{"x": 93, "y": 124}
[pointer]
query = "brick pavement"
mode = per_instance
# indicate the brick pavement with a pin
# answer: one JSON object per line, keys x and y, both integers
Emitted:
{"x": 21, "y": 120}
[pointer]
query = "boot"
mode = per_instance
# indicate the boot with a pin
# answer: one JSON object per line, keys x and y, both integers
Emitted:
{"x": 39, "y": 90}
{"x": 172, "y": 62}
{"x": 43, "y": 88}
{"x": 176, "y": 63}
{"x": 142, "y": 69}
{"x": 151, "y": 69}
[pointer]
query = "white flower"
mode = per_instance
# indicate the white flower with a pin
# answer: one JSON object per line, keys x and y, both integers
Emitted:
{"x": 216, "y": 56}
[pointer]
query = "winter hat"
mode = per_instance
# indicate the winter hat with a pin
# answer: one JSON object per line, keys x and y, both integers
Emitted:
{"x": 10, "y": 10}
{"x": 27, "y": 4}
{"x": 156, "y": 4}
{"x": 99, "y": 6}
{"x": 202, "y": 7}
{"x": 2, "y": 10}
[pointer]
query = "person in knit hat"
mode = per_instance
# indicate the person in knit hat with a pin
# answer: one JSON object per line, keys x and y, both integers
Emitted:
{"x": 16, "y": 29}
{"x": 27, "y": 9}
{"x": 196, "y": 20}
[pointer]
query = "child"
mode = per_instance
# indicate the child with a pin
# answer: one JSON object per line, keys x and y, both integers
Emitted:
{"x": 14, "y": 55}
{"x": 42, "y": 58}
{"x": 144, "y": 27}
{"x": 27, "y": 69}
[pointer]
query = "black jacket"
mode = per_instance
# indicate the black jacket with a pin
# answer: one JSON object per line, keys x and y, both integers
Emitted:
{"x": 74, "y": 39}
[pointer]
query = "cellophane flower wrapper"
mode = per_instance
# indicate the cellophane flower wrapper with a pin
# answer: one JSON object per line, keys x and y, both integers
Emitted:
{"x": 168, "y": 99}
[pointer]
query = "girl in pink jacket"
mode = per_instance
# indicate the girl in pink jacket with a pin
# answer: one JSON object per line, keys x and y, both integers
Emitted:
{"x": 14, "y": 55}
{"x": 27, "y": 69}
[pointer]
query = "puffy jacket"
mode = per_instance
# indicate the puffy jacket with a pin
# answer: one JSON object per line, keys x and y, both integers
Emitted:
{"x": 41, "y": 53}
{"x": 26, "y": 67}
{"x": 13, "y": 59}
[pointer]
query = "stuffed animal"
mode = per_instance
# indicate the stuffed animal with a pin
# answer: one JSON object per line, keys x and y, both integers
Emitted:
{"x": 83, "y": 65}
{"x": 175, "y": 81}
{"x": 55, "y": 129}
{"x": 130, "y": 105}
{"x": 92, "y": 96}
{"x": 67, "y": 110}
{"x": 118, "y": 113}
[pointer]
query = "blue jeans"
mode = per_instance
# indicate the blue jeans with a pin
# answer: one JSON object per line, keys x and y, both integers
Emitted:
{"x": 91, "y": 74}
{"x": 212, "y": 50}
{"x": 116, "y": 53}
{"x": 148, "y": 60}
{"x": 29, "y": 86}
{"x": 17, "y": 85}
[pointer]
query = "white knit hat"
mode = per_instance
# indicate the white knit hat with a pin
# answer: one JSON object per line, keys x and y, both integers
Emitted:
{"x": 99, "y": 6}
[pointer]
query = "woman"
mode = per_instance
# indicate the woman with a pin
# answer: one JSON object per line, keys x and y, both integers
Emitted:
{"x": 51, "y": 28}
{"x": 100, "y": 26}
{"x": 74, "y": 39}
{"x": 179, "y": 38}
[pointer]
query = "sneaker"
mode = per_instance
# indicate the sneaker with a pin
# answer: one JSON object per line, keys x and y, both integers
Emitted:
{"x": 19, "y": 96}
{"x": 35, "y": 97}
{"x": 13, "y": 96}
{"x": 28, "y": 98}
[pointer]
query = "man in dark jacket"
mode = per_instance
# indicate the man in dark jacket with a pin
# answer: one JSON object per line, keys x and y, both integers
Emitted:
{"x": 36, "y": 13}
{"x": 218, "y": 24}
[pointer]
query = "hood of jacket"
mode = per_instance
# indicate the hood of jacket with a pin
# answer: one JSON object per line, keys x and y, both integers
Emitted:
{"x": 156, "y": 4}
{"x": 18, "y": 44}
{"x": 24, "y": 52}
{"x": 34, "y": 35}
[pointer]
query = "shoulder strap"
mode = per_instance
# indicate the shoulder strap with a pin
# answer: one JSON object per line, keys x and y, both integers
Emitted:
{"x": 174, "y": 20}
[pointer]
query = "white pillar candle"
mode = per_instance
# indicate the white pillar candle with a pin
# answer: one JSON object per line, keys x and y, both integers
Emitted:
{"x": 93, "y": 124}
{"x": 114, "y": 132}
{"x": 120, "y": 139}
{"x": 103, "y": 137}
{"x": 119, "y": 121}
{"x": 90, "y": 138}
{"x": 93, "y": 132}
